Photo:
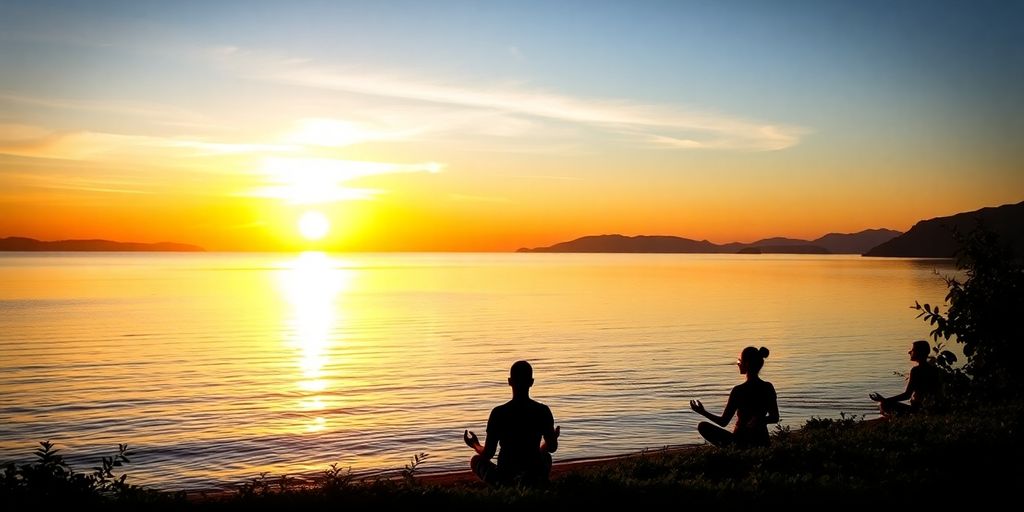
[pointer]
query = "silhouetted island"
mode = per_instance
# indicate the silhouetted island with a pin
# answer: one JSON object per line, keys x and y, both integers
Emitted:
{"x": 15, "y": 243}
{"x": 832, "y": 243}
{"x": 933, "y": 238}
{"x": 785, "y": 249}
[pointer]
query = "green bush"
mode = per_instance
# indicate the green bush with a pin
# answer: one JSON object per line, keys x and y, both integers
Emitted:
{"x": 985, "y": 314}
{"x": 49, "y": 479}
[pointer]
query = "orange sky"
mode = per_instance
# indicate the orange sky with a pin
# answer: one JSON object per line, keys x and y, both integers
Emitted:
{"x": 222, "y": 130}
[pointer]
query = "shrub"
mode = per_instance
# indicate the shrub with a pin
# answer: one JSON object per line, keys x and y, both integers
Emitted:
{"x": 984, "y": 315}
{"x": 49, "y": 479}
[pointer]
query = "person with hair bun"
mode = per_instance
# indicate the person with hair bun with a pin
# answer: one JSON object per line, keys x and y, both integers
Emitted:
{"x": 754, "y": 403}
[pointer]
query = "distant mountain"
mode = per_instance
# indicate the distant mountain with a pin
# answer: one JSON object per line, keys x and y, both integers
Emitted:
{"x": 776, "y": 241}
{"x": 933, "y": 238}
{"x": 620, "y": 243}
{"x": 15, "y": 243}
{"x": 855, "y": 243}
{"x": 784, "y": 249}
{"x": 834, "y": 243}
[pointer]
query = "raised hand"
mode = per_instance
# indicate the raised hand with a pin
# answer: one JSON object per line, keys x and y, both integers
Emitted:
{"x": 470, "y": 438}
{"x": 550, "y": 443}
{"x": 876, "y": 397}
{"x": 697, "y": 406}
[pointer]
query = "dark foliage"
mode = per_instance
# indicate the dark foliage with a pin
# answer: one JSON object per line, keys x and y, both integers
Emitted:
{"x": 984, "y": 314}
{"x": 49, "y": 479}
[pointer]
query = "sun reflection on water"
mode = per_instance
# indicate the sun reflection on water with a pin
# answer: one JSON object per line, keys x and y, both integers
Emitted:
{"x": 311, "y": 283}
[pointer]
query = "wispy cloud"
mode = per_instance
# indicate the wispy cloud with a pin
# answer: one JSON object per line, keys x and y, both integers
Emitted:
{"x": 291, "y": 176}
{"x": 666, "y": 125}
{"x": 334, "y": 133}
{"x": 164, "y": 114}
{"x": 674, "y": 142}
{"x": 323, "y": 180}
{"x": 225, "y": 148}
{"x": 38, "y": 142}
{"x": 91, "y": 180}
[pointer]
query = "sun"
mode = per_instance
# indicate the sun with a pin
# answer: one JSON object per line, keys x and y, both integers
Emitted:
{"x": 314, "y": 225}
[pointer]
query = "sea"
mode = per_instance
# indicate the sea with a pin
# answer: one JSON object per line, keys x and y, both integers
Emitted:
{"x": 215, "y": 368}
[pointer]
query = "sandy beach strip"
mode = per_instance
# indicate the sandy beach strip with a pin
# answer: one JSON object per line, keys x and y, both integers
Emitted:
{"x": 558, "y": 469}
{"x": 464, "y": 477}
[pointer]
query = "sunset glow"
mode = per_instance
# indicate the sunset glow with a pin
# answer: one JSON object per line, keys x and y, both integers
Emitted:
{"x": 498, "y": 253}
{"x": 314, "y": 225}
{"x": 133, "y": 122}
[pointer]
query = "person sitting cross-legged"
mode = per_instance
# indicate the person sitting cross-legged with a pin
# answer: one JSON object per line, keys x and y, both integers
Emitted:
{"x": 753, "y": 402}
{"x": 923, "y": 386}
{"x": 525, "y": 431}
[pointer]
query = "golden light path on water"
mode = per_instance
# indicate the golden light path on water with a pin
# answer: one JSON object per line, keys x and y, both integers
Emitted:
{"x": 311, "y": 284}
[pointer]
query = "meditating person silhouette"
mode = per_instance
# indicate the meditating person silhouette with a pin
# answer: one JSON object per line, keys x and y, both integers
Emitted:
{"x": 922, "y": 386}
{"x": 518, "y": 427}
{"x": 754, "y": 403}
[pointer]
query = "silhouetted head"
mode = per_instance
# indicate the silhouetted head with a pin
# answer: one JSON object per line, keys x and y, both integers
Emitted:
{"x": 919, "y": 351}
{"x": 752, "y": 360}
{"x": 520, "y": 377}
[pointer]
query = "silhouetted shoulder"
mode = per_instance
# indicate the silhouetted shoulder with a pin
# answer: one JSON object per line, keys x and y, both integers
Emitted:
{"x": 515, "y": 408}
{"x": 538, "y": 409}
{"x": 753, "y": 386}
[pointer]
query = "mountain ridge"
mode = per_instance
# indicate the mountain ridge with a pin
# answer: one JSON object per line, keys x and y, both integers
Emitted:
{"x": 18, "y": 243}
{"x": 934, "y": 238}
{"x": 831, "y": 243}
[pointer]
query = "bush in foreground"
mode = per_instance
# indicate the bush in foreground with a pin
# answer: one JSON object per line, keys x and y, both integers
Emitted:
{"x": 933, "y": 460}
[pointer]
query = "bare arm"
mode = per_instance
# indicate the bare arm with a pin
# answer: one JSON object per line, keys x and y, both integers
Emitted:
{"x": 773, "y": 409}
{"x": 472, "y": 441}
{"x": 490, "y": 447}
{"x": 902, "y": 396}
{"x": 484, "y": 450}
{"x": 724, "y": 419}
{"x": 550, "y": 442}
{"x": 905, "y": 395}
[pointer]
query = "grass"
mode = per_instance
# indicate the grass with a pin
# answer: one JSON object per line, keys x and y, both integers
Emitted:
{"x": 973, "y": 456}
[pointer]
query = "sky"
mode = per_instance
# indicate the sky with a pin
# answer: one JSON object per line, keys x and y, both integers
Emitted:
{"x": 489, "y": 126}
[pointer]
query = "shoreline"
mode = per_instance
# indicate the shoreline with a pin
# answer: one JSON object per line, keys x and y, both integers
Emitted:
{"x": 846, "y": 460}
{"x": 558, "y": 469}
{"x": 455, "y": 477}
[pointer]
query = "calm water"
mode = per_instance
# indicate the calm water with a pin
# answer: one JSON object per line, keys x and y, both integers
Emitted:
{"x": 215, "y": 367}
